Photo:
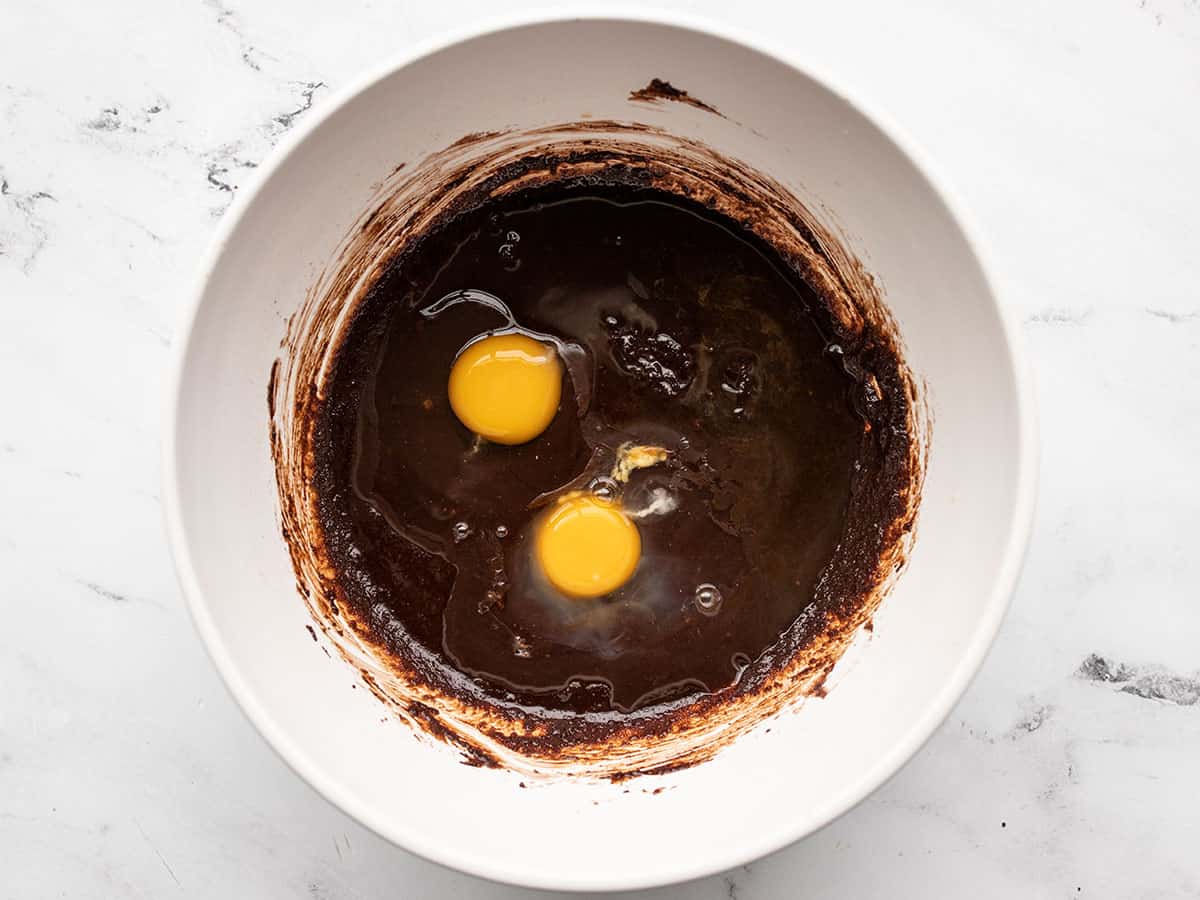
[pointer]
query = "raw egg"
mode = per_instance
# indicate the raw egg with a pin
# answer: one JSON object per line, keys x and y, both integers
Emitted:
{"x": 587, "y": 547}
{"x": 506, "y": 387}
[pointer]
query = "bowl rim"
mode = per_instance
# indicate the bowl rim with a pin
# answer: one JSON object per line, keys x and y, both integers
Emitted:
{"x": 761, "y": 843}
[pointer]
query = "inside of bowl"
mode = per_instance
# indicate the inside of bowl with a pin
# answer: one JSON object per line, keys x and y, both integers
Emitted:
{"x": 797, "y": 770}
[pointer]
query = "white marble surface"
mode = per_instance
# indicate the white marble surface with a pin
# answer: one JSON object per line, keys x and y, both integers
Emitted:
{"x": 1073, "y": 131}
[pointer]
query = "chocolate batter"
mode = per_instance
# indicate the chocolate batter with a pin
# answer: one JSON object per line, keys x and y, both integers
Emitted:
{"x": 697, "y": 337}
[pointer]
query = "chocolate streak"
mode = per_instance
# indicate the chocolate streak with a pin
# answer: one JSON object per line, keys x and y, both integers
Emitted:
{"x": 414, "y": 681}
{"x": 658, "y": 90}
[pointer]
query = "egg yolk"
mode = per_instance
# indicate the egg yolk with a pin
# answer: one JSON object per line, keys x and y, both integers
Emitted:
{"x": 587, "y": 547}
{"x": 506, "y": 388}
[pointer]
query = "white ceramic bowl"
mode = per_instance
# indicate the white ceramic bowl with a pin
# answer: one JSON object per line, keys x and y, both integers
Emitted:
{"x": 888, "y": 693}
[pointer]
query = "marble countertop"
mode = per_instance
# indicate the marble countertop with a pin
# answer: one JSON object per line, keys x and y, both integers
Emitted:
{"x": 1072, "y": 766}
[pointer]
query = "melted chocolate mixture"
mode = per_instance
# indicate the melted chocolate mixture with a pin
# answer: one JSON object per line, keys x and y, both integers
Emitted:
{"x": 696, "y": 337}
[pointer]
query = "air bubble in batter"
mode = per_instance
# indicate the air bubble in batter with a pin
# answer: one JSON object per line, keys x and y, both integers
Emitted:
{"x": 708, "y": 599}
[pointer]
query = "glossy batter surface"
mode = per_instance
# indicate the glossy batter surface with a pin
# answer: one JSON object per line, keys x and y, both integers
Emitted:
{"x": 686, "y": 334}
